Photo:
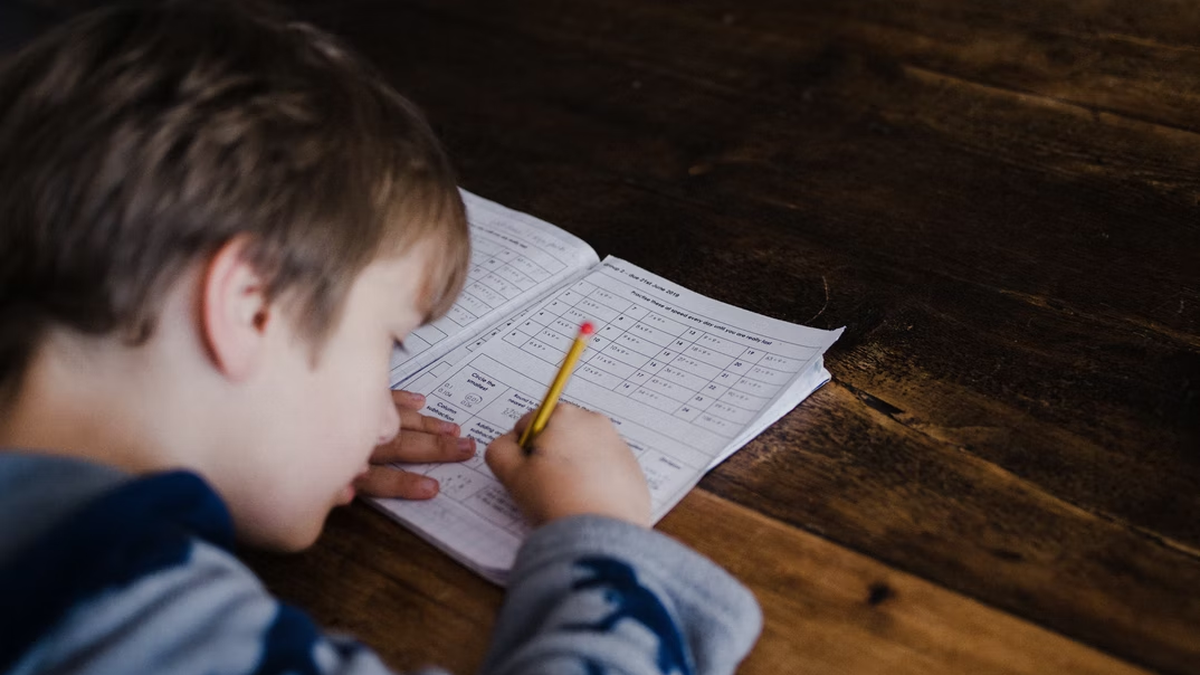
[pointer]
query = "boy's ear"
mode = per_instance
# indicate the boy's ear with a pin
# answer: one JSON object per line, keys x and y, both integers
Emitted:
{"x": 234, "y": 310}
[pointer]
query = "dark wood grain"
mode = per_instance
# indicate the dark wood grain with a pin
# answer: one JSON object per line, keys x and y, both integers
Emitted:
{"x": 999, "y": 201}
{"x": 826, "y": 608}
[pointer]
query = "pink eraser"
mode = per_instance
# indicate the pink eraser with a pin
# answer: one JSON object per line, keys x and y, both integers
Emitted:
{"x": 587, "y": 328}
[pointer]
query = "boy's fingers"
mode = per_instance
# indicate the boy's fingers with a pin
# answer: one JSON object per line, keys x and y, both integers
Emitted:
{"x": 386, "y": 481}
{"x": 408, "y": 399}
{"x": 420, "y": 447}
{"x": 411, "y": 420}
{"x": 523, "y": 422}
{"x": 504, "y": 456}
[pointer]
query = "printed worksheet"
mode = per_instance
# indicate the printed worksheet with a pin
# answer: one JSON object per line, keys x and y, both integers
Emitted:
{"x": 515, "y": 259}
{"x": 686, "y": 379}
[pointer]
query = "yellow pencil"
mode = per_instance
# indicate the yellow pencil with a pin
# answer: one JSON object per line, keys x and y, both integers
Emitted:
{"x": 560, "y": 380}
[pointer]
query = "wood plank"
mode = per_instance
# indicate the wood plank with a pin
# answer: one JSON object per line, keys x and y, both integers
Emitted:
{"x": 1094, "y": 54}
{"x": 842, "y": 467}
{"x": 979, "y": 158}
{"x": 826, "y": 608}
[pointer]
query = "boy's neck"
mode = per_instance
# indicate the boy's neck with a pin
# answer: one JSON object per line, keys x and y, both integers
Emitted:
{"x": 139, "y": 408}
{"x": 92, "y": 399}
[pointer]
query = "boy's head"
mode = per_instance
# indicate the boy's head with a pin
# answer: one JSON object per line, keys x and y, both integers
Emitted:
{"x": 142, "y": 147}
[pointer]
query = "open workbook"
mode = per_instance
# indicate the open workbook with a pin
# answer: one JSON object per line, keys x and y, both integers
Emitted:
{"x": 686, "y": 379}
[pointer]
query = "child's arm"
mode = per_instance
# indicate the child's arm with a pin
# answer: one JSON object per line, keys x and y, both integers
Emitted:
{"x": 594, "y": 590}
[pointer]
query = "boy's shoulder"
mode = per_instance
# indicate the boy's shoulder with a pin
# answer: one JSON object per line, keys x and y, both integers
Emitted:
{"x": 37, "y": 491}
{"x": 101, "y": 561}
{"x": 62, "y": 511}
{"x": 86, "y": 534}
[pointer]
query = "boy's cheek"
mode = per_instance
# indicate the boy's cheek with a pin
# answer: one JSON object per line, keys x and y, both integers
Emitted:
{"x": 276, "y": 523}
{"x": 301, "y": 533}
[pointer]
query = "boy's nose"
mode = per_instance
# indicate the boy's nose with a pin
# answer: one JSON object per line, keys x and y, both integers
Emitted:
{"x": 390, "y": 425}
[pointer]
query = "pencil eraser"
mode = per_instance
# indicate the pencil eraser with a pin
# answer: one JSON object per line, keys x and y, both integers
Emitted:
{"x": 587, "y": 328}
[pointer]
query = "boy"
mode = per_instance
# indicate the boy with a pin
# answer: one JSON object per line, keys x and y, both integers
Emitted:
{"x": 216, "y": 226}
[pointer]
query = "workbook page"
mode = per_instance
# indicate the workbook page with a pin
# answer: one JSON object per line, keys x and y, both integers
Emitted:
{"x": 515, "y": 258}
{"x": 686, "y": 379}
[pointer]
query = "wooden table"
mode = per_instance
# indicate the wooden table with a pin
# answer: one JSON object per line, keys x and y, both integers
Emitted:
{"x": 999, "y": 200}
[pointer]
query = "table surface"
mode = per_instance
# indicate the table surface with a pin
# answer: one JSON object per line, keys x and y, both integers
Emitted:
{"x": 999, "y": 202}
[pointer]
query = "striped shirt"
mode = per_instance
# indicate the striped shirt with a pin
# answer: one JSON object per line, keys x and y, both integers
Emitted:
{"x": 102, "y": 572}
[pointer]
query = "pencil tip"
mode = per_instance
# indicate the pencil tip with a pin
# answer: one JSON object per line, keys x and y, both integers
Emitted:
{"x": 587, "y": 328}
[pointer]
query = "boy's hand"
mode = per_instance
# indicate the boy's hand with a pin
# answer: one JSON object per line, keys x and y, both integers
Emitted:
{"x": 579, "y": 465}
{"x": 421, "y": 439}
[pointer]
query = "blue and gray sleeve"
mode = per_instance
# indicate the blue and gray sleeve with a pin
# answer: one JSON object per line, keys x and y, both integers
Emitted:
{"x": 591, "y": 595}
